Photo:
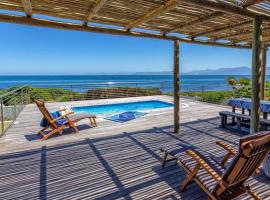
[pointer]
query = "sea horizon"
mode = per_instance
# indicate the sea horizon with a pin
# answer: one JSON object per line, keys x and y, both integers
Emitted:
{"x": 188, "y": 82}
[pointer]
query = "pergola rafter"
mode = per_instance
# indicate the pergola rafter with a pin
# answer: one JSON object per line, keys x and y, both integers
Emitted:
{"x": 93, "y": 11}
{"x": 154, "y": 13}
{"x": 27, "y": 6}
{"x": 196, "y": 21}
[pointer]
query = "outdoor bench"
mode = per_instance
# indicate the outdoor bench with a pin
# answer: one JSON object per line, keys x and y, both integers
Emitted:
{"x": 239, "y": 119}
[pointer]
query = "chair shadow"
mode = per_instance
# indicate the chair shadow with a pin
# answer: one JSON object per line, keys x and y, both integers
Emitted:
{"x": 67, "y": 131}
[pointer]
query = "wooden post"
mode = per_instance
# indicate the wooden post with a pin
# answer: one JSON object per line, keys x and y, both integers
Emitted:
{"x": 176, "y": 86}
{"x": 256, "y": 65}
{"x": 263, "y": 73}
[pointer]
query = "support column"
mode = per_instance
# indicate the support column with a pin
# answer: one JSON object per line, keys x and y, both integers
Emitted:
{"x": 256, "y": 72}
{"x": 176, "y": 87}
{"x": 263, "y": 73}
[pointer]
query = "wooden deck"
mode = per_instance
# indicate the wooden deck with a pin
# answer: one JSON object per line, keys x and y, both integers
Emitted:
{"x": 112, "y": 161}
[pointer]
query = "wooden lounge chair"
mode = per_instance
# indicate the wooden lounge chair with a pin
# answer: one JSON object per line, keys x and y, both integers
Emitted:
{"x": 220, "y": 183}
{"x": 58, "y": 124}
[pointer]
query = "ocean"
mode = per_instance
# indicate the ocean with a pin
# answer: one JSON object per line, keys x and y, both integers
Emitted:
{"x": 188, "y": 82}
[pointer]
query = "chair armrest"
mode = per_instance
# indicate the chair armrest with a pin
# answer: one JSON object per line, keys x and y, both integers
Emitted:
{"x": 62, "y": 116}
{"x": 226, "y": 147}
{"x": 208, "y": 169}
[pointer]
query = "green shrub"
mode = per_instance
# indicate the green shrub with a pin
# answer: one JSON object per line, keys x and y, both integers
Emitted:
{"x": 217, "y": 97}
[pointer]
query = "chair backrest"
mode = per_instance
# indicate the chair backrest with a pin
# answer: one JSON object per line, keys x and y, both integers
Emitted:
{"x": 252, "y": 151}
{"x": 46, "y": 114}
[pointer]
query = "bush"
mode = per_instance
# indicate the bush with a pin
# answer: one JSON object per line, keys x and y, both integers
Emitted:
{"x": 118, "y": 92}
{"x": 218, "y": 97}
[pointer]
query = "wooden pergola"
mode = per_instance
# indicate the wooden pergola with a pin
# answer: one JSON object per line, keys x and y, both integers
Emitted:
{"x": 226, "y": 23}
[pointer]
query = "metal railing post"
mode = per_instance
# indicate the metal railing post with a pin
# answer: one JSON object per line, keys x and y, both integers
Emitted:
{"x": 71, "y": 90}
{"x": 162, "y": 87}
{"x": 136, "y": 89}
{"x": 2, "y": 116}
{"x": 107, "y": 91}
{"x": 202, "y": 93}
{"x": 22, "y": 97}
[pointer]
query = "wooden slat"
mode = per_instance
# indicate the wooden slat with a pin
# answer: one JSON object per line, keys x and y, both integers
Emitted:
{"x": 154, "y": 13}
{"x": 94, "y": 10}
{"x": 27, "y": 6}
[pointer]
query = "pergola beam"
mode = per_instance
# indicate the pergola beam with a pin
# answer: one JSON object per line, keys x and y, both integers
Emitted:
{"x": 27, "y": 7}
{"x": 76, "y": 27}
{"x": 247, "y": 3}
{"x": 263, "y": 71}
{"x": 94, "y": 10}
{"x": 222, "y": 28}
{"x": 176, "y": 86}
{"x": 226, "y": 7}
{"x": 256, "y": 74}
{"x": 196, "y": 21}
{"x": 154, "y": 13}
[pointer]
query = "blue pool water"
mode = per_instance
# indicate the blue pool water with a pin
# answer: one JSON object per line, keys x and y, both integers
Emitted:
{"x": 122, "y": 107}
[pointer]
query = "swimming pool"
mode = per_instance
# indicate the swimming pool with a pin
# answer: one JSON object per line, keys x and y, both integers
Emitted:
{"x": 123, "y": 107}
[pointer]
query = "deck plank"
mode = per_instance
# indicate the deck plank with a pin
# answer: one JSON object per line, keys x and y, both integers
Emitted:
{"x": 112, "y": 161}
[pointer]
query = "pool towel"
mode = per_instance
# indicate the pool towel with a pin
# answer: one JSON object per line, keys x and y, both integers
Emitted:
{"x": 44, "y": 122}
{"x": 125, "y": 116}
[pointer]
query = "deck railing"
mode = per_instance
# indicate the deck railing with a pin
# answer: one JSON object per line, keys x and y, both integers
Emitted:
{"x": 92, "y": 91}
{"x": 11, "y": 104}
{"x": 210, "y": 95}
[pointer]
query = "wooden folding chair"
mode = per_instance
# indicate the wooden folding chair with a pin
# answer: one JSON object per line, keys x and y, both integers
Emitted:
{"x": 58, "y": 124}
{"x": 229, "y": 183}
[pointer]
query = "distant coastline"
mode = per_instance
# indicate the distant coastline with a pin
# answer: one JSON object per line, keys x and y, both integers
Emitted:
{"x": 238, "y": 71}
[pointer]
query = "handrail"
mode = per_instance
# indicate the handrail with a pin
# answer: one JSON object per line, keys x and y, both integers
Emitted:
{"x": 100, "y": 83}
{"x": 10, "y": 106}
{"x": 12, "y": 91}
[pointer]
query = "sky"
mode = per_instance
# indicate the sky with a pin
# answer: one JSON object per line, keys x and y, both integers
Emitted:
{"x": 27, "y": 50}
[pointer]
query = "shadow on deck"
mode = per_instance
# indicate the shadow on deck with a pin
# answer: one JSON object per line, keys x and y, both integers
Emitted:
{"x": 124, "y": 166}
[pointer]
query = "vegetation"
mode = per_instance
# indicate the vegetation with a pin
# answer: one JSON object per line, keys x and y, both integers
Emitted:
{"x": 241, "y": 88}
{"x": 238, "y": 83}
{"x": 54, "y": 94}
{"x": 118, "y": 92}
{"x": 211, "y": 96}
{"x": 60, "y": 94}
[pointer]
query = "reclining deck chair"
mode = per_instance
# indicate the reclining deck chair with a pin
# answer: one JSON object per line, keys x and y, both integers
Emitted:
{"x": 220, "y": 183}
{"x": 59, "y": 123}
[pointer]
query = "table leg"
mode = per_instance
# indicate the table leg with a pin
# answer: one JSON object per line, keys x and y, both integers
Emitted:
{"x": 265, "y": 115}
{"x": 243, "y": 112}
{"x": 233, "y": 118}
